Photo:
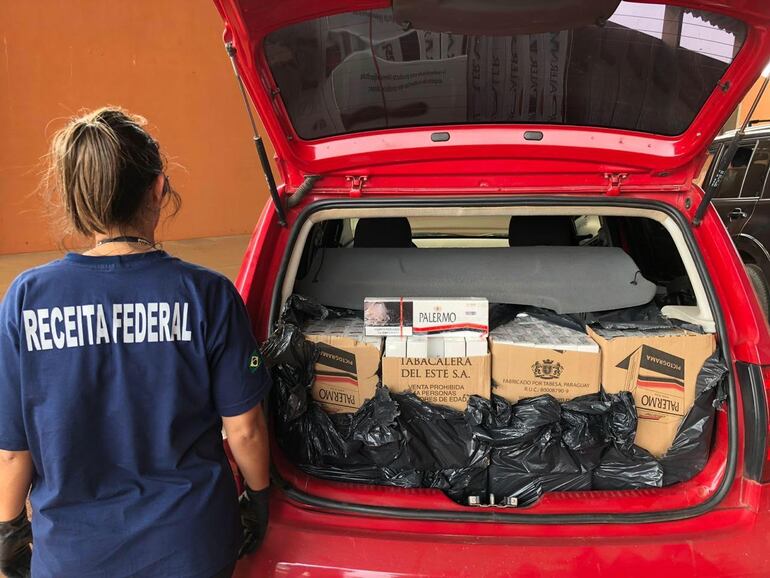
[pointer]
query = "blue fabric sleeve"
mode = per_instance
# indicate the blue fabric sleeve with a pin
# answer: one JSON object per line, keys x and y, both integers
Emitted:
{"x": 239, "y": 378}
{"x": 13, "y": 436}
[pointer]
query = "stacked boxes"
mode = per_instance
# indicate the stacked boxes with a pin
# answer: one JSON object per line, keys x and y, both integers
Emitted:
{"x": 438, "y": 349}
{"x": 348, "y": 361}
{"x": 531, "y": 357}
{"x": 660, "y": 368}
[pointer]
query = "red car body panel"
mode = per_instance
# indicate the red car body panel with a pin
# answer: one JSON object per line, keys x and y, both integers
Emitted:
{"x": 315, "y": 539}
{"x": 730, "y": 540}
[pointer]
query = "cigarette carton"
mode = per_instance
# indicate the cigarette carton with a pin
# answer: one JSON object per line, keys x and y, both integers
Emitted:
{"x": 660, "y": 369}
{"x": 476, "y": 346}
{"x": 532, "y": 357}
{"x": 435, "y": 346}
{"x": 426, "y": 316}
{"x": 346, "y": 370}
{"x": 395, "y": 346}
{"x": 454, "y": 347}
{"x": 417, "y": 346}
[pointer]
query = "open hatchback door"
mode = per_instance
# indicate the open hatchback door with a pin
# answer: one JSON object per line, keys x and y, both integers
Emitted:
{"x": 373, "y": 90}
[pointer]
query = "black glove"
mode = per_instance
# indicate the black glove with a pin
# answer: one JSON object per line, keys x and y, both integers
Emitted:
{"x": 254, "y": 515}
{"x": 15, "y": 553}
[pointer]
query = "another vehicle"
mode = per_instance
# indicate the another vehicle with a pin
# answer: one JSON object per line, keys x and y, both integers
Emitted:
{"x": 743, "y": 202}
{"x": 472, "y": 125}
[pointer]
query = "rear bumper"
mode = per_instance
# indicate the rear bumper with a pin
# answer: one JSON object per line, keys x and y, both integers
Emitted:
{"x": 303, "y": 542}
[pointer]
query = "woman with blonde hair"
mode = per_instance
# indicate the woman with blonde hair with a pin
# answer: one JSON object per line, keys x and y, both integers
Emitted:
{"x": 118, "y": 369}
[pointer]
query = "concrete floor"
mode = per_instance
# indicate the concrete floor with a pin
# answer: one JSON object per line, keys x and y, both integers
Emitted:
{"x": 223, "y": 254}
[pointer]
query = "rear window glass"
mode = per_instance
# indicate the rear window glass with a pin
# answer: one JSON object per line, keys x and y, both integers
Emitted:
{"x": 650, "y": 68}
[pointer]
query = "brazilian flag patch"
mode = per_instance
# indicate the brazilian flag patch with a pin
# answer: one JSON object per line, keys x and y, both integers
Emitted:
{"x": 255, "y": 361}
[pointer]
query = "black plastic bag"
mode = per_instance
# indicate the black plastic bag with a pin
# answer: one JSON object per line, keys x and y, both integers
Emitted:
{"x": 528, "y": 455}
{"x": 566, "y": 321}
{"x": 292, "y": 361}
{"x": 690, "y": 450}
{"x": 460, "y": 483}
{"x": 521, "y": 450}
{"x": 374, "y": 430}
{"x": 528, "y": 470}
{"x": 444, "y": 445}
{"x": 368, "y": 474}
{"x": 643, "y": 317}
{"x": 501, "y": 313}
{"x": 630, "y": 469}
{"x": 625, "y": 466}
{"x": 299, "y": 309}
{"x": 583, "y": 428}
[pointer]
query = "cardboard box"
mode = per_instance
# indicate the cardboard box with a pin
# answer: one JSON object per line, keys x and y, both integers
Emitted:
{"x": 346, "y": 370}
{"x": 426, "y": 316}
{"x": 447, "y": 381}
{"x": 532, "y": 357}
{"x": 660, "y": 369}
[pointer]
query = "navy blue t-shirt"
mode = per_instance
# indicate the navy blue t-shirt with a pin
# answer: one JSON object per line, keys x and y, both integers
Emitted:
{"x": 114, "y": 372}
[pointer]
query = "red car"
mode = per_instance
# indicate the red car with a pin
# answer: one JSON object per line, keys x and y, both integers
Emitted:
{"x": 458, "y": 129}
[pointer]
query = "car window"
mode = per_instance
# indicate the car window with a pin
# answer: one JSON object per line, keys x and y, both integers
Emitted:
{"x": 736, "y": 172}
{"x": 757, "y": 171}
{"x": 649, "y": 67}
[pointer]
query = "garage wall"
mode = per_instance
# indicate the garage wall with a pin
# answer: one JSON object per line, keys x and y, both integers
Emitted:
{"x": 164, "y": 60}
{"x": 763, "y": 108}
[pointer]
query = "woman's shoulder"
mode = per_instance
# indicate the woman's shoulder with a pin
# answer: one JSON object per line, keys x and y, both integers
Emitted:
{"x": 203, "y": 275}
{"x": 36, "y": 273}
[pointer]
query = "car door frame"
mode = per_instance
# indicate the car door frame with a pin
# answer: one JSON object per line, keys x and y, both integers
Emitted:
{"x": 727, "y": 205}
{"x": 753, "y": 240}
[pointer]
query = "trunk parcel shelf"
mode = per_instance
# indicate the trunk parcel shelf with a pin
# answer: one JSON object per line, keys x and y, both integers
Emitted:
{"x": 494, "y": 447}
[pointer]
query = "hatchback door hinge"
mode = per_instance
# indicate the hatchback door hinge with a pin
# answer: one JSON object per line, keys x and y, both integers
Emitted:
{"x": 614, "y": 181}
{"x": 357, "y": 183}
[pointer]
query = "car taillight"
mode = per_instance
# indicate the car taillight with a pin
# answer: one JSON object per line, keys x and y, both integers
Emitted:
{"x": 765, "y": 477}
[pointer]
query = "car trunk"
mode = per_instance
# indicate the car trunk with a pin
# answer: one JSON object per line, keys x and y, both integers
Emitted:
{"x": 462, "y": 112}
{"x": 461, "y": 249}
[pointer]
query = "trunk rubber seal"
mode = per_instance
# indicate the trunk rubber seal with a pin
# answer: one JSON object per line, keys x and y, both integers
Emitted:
{"x": 510, "y": 517}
